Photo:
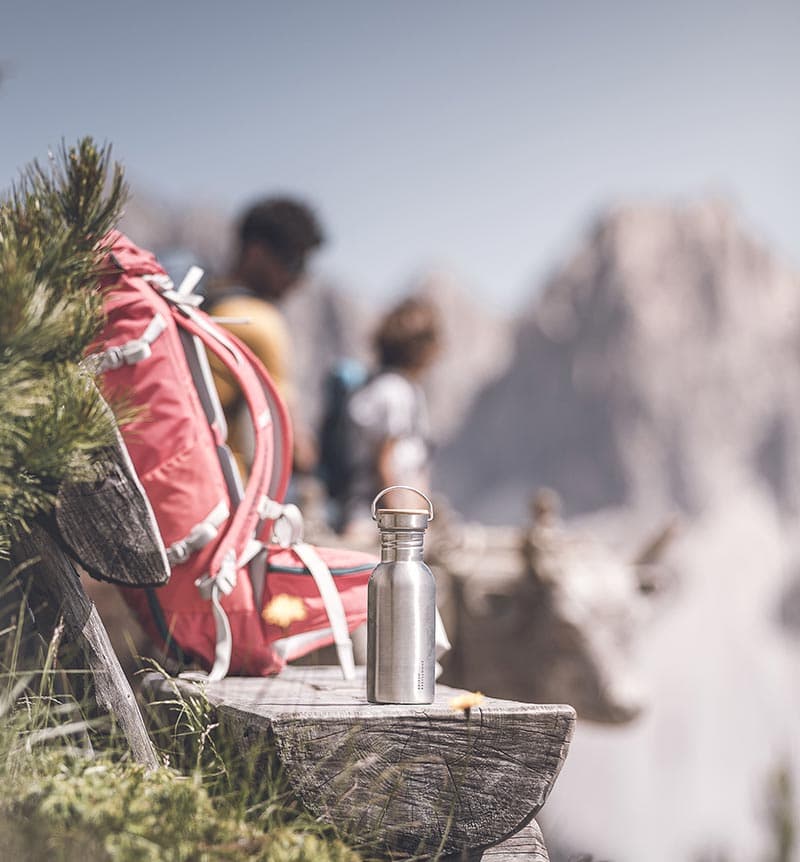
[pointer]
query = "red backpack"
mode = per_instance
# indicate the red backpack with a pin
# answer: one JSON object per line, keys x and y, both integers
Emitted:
{"x": 232, "y": 549}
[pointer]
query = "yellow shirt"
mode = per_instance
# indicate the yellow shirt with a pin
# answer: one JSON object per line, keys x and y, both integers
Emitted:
{"x": 267, "y": 336}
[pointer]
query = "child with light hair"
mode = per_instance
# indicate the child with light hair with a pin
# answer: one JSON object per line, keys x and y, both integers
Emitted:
{"x": 389, "y": 432}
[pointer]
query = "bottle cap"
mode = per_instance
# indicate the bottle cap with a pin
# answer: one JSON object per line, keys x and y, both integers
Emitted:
{"x": 402, "y": 519}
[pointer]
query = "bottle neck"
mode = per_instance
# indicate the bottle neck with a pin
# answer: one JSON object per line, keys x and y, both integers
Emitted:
{"x": 401, "y": 545}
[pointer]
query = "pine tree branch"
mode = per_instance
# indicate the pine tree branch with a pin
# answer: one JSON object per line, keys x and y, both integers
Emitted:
{"x": 54, "y": 424}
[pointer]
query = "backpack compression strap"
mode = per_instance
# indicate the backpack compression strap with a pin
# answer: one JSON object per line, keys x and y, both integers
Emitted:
{"x": 333, "y": 605}
{"x": 129, "y": 353}
{"x": 241, "y": 527}
{"x": 288, "y": 533}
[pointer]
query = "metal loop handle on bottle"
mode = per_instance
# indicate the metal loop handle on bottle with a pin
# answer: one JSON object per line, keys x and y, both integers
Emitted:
{"x": 401, "y": 488}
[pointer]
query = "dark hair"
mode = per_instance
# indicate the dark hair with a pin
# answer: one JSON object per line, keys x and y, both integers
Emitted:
{"x": 288, "y": 227}
{"x": 407, "y": 333}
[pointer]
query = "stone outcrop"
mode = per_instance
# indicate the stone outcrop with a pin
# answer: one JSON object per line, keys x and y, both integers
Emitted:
{"x": 658, "y": 367}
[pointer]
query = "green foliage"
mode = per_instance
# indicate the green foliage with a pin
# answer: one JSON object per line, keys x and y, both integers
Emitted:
{"x": 71, "y": 809}
{"x": 58, "y": 804}
{"x": 251, "y": 790}
{"x": 53, "y": 422}
{"x": 71, "y": 794}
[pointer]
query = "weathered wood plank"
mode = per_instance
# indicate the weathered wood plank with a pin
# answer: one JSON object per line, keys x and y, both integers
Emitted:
{"x": 421, "y": 779}
{"x": 527, "y": 845}
{"x": 53, "y": 577}
{"x": 108, "y": 525}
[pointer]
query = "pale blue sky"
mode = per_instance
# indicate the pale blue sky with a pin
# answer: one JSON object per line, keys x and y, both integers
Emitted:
{"x": 483, "y": 136}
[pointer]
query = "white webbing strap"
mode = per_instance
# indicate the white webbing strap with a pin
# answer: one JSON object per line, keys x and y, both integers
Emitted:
{"x": 225, "y": 581}
{"x": 333, "y": 605}
{"x": 190, "y": 281}
{"x": 199, "y": 536}
{"x": 160, "y": 281}
{"x": 287, "y": 521}
{"x": 182, "y": 295}
{"x": 213, "y": 588}
{"x": 130, "y": 352}
{"x": 251, "y": 550}
{"x": 293, "y": 643}
{"x": 287, "y": 531}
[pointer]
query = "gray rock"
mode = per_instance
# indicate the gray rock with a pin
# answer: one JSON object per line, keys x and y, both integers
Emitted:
{"x": 660, "y": 363}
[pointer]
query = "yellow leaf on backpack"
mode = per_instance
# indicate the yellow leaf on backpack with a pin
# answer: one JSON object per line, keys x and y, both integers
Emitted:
{"x": 283, "y": 610}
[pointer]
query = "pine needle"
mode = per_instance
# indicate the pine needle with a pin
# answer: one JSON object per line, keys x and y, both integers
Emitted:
{"x": 53, "y": 425}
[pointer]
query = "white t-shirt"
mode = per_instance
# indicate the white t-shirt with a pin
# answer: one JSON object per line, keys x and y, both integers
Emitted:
{"x": 388, "y": 407}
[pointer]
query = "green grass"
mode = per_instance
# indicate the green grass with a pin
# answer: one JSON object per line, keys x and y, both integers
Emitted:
{"x": 59, "y": 807}
{"x": 70, "y": 792}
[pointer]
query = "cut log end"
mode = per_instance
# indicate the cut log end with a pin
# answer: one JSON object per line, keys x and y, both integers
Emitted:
{"x": 419, "y": 779}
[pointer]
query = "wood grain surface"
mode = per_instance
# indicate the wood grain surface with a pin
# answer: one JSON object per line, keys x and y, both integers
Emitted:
{"x": 108, "y": 525}
{"x": 422, "y": 779}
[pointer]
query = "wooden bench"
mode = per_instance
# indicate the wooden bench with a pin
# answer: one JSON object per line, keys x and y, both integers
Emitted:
{"x": 423, "y": 781}
{"x": 420, "y": 779}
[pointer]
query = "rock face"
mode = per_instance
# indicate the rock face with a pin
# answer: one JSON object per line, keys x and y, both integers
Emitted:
{"x": 660, "y": 365}
{"x": 477, "y": 348}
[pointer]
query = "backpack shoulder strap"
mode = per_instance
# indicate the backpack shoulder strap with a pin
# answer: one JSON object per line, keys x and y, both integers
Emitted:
{"x": 271, "y": 468}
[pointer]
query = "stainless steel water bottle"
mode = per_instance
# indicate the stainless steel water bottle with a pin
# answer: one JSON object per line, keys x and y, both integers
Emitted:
{"x": 401, "y": 609}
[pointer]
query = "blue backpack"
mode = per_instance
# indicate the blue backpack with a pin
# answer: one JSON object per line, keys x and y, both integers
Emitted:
{"x": 335, "y": 440}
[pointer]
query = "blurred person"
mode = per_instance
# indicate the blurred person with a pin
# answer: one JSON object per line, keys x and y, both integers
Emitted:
{"x": 276, "y": 236}
{"x": 388, "y": 431}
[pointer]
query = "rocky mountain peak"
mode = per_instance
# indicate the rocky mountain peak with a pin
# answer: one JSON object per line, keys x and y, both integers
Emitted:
{"x": 477, "y": 348}
{"x": 655, "y": 365}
